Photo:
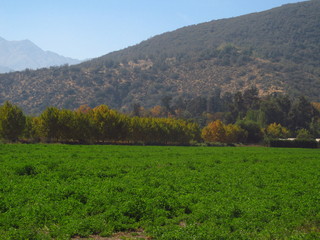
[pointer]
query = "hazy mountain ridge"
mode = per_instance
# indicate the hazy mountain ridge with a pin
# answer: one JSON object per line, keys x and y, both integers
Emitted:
{"x": 276, "y": 50}
{"x": 19, "y": 55}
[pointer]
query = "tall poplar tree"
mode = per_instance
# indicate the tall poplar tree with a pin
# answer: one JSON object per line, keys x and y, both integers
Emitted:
{"x": 12, "y": 122}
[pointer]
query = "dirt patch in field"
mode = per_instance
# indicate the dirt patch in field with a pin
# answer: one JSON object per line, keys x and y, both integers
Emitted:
{"x": 137, "y": 235}
{"x": 310, "y": 227}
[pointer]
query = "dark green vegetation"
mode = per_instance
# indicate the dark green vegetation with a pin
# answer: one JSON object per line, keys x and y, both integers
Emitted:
{"x": 276, "y": 50}
{"x": 293, "y": 144}
{"x": 61, "y": 191}
{"x": 242, "y": 118}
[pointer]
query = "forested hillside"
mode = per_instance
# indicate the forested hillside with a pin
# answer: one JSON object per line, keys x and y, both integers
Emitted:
{"x": 276, "y": 51}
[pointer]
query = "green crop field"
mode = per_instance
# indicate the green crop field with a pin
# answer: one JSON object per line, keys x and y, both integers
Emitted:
{"x": 77, "y": 191}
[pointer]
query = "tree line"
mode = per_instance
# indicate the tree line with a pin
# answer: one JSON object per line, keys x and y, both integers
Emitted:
{"x": 93, "y": 125}
{"x": 240, "y": 118}
{"x": 245, "y": 109}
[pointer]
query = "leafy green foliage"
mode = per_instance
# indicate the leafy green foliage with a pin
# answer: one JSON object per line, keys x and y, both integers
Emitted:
{"x": 26, "y": 170}
{"x": 301, "y": 113}
{"x": 104, "y": 125}
{"x": 275, "y": 130}
{"x": 304, "y": 134}
{"x": 63, "y": 191}
{"x": 253, "y": 129}
{"x": 164, "y": 125}
{"x": 12, "y": 121}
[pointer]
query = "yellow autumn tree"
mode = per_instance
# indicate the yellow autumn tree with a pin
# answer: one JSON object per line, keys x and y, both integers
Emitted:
{"x": 275, "y": 130}
{"x": 214, "y": 132}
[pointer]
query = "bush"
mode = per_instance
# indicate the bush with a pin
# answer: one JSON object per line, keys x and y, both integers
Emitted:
{"x": 235, "y": 134}
{"x": 275, "y": 130}
{"x": 304, "y": 134}
{"x": 293, "y": 143}
{"x": 255, "y": 134}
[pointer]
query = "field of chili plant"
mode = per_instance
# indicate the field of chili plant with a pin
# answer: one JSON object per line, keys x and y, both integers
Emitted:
{"x": 78, "y": 191}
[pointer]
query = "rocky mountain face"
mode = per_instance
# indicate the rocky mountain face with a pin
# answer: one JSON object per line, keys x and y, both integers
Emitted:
{"x": 20, "y": 55}
{"x": 277, "y": 51}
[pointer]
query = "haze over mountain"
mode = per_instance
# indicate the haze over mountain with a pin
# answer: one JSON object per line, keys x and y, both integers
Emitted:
{"x": 278, "y": 51}
{"x": 19, "y": 55}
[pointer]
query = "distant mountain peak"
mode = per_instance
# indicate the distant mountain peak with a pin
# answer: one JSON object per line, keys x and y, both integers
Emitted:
{"x": 26, "y": 41}
{"x": 19, "y": 55}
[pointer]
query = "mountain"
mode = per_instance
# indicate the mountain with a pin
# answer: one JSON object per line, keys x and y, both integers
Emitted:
{"x": 278, "y": 51}
{"x": 19, "y": 55}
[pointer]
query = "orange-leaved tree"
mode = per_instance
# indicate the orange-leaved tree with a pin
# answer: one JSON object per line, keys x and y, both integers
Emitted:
{"x": 214, "y": 132}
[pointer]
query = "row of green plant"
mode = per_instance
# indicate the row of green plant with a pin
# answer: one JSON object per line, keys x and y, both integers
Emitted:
{"x": 60, "y": 191}
{"x": 104, "y": 125}
{"x": 96, "y": 125}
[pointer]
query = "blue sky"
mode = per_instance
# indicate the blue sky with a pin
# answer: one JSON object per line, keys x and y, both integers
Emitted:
{"x": 90, "y": 28}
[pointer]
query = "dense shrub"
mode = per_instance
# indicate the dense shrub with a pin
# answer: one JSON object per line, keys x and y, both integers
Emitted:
{"x": 255, "y": 133}
{"x": 293, "y": 143}
{"x": 275, "y": 130}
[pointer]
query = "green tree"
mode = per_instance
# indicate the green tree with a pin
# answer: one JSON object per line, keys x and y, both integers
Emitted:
{"x": 275, "y": 130}
{"x": 271, "y": 111}
{"x": 315, "y": 127}
{"x": 12, "y": 122}
{"x": 67, "y": 125}
{"x": 137, "y": 133}
{"x": 30, "y": 129}
{"x": 255, "y": 134}
{"x": 110, "y": 125}
{"x": 48, "y": 124}
{"x": 235, "y": 134}
{"x": 304, "y": 134}
{"x": 237, "y": 108}
{"x": 251, "y": 98}
{"x": 84, "y": 128}
{"x": 301, "y": 114}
